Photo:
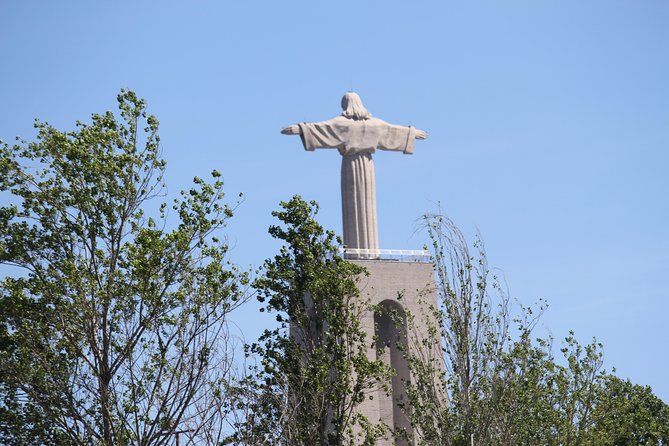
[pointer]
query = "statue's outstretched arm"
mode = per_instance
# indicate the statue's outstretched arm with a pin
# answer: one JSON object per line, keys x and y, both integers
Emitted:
{"x": 291, "y": 130}
{"x": 418, "y": 133}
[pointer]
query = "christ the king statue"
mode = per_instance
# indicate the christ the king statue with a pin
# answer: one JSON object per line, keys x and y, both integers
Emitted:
{"x": 357, "y": 135}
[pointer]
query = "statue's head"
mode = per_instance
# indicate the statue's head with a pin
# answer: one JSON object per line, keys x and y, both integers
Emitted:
{"x": 353, "y": 108}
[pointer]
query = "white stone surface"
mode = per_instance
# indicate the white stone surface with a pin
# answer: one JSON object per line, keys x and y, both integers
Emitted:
{"x": 409, "y": 285}
{"x": 357, "y": 135}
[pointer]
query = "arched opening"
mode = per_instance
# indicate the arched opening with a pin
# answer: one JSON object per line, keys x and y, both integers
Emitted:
{"x": 391, "y": 346}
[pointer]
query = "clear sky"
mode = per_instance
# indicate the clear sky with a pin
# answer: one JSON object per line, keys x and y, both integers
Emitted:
{"x": 548, "y": 128}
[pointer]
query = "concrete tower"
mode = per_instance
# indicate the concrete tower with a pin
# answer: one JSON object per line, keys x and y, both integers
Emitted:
{"x": 400, "y": 282}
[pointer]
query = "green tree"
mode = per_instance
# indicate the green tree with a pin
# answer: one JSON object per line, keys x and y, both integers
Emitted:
{"x": 498, "y": 384}
{"x": 313, "y": 369}
{"x": 627, "y": 414}
{"x": 113, "y": 329}
{"x": 454, "y": 402}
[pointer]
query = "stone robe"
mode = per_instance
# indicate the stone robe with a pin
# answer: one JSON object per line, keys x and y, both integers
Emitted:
{"x": 356, "y": 140}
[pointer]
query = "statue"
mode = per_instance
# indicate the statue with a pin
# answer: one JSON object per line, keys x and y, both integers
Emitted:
{"x": 356, "y": 134}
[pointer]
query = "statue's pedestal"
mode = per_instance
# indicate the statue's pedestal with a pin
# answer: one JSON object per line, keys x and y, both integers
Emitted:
{"x": 398, "y": 289}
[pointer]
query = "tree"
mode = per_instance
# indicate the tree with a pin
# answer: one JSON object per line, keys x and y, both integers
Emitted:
{"x": 113, "y": 330}
{"x": 627, "y": 414}
{"x": 313, "y": 369}
{"x": 499, "y": 384}
{"x": 448, "y": 399}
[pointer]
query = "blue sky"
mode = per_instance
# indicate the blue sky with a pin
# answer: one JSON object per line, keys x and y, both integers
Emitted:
{"x": 548, "y": 124}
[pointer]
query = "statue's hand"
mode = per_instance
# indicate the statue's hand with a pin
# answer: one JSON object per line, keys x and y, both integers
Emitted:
{"x": 291, "y": 130}
{"x": 421, "y": 134}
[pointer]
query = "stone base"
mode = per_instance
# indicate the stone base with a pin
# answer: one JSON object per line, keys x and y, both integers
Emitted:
{"x": 398, "y": 288}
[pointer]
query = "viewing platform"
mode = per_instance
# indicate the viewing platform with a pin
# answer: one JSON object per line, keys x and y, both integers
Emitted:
{"x": 397, "y": 255}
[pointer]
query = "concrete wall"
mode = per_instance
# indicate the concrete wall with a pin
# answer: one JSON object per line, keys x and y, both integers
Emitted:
{"x": 407, "y": 286}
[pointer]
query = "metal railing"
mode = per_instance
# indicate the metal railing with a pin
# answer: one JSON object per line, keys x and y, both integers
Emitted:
{"x": 400, "y": 255}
